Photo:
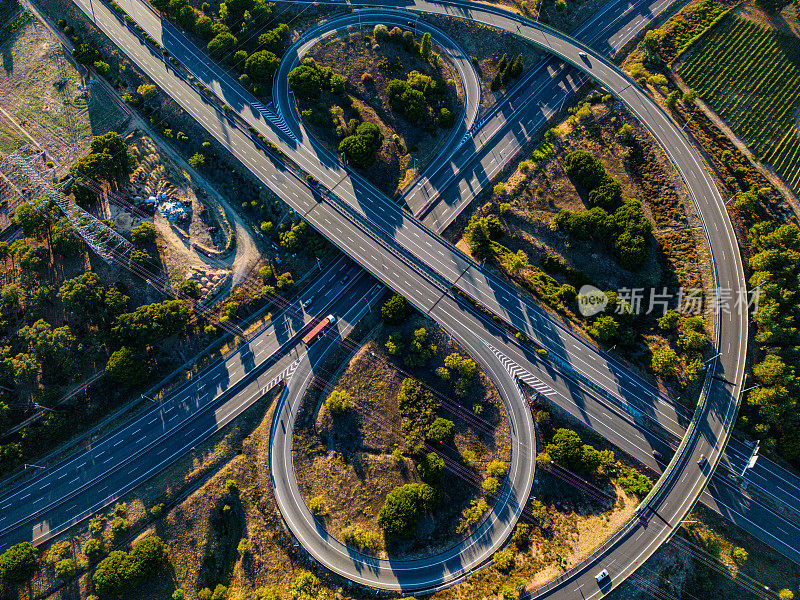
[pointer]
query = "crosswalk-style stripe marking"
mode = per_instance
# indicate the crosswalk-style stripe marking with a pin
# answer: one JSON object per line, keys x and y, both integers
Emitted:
{"x": 516, "y": 371}
{"x": 270, "y": 116}
{"x": 285, "y": 374}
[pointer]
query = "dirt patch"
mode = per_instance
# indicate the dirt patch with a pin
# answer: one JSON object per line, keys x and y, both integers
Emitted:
{"x": 348, "y": 461}
{"x": 487, "y": 45}
{"x": 157, "y": 177}
{"x": 368, "y": 66}
{"x": 534, "y": 195}
{"x": 786, "y": 20}
{"x": 701, "y": 559}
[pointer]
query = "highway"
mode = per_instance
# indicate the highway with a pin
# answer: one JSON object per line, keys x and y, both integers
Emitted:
{"x": 351, "y": 220}
{"x": 718, "y": 408}
{"x": 85, "y": 482}
{"x": 468, "y": 77}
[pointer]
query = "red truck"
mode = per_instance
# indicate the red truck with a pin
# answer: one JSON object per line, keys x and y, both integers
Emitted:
{"x": 318, "y": 329}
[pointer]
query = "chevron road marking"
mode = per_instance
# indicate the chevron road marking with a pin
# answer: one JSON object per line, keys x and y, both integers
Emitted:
{"x": 516, "y": 371}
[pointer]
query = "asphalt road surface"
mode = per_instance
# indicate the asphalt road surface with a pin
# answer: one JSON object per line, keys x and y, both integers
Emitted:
{"x": 428, "y": 269}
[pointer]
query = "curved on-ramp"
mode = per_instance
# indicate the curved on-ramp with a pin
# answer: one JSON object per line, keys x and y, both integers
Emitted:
{"x": 680, "y": 487}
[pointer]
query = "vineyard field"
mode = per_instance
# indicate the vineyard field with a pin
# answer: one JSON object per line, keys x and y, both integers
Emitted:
{"x": 750, "y": 76}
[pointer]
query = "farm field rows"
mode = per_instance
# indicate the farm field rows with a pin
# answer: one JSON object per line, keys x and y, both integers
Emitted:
{"x": 750, "y": 76}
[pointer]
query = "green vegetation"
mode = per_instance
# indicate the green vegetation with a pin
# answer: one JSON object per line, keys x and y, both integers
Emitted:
{"x": 634, "y": 482}
{"x": 626, "y": 231}
{"x": 361, "y": 147}
{"x": 505, "y": 71}
{"x": 568, "y": 450}
{"x": 418, "y": 99}
{"x": 395, "y": 310}
{"x": 120, "y": 571}
{"x": 107, "y": 159}
{"x": 750, "y": 76}
{"x": 339, "y": 402}
{"x": 504, "y": 560}
{"x": 769, "y": 412}
{"x": 18, "y": 563}
{"x": 403, "y": 507}
{"x": 417, "y": 409}
{"x": 308, "y": 80}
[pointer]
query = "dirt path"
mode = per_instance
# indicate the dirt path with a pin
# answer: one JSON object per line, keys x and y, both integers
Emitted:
{"x": 246, "y": 252}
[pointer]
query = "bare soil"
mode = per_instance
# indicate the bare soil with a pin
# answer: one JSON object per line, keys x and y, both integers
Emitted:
{"x": 679, "y": 257}
{"x": 487, "y": 45}
{"x": 355, "y": 54}
{"x": 350, "y": 466}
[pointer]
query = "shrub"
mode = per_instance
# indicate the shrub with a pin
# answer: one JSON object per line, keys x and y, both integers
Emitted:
{"x": 157, "y": 510}
{"x": 359, "y": 538}
{"x": 672, "y": 99}
{"x": 119, "y": 527}
{"x": 65, "y": 568}
{"x": 472, "y": 514}
{"x": 431, "y": 467}
{"x": 740, "y": 555}
{"x": 490, "y": 485}
{"x": 441, "y": 431}
{"x": 231, "y": 486}
{"x": 361, "y": 147}
{"x": 381, "y": 32}
{"x": 316, "y": 505}
{"x": 339, "y": 402}
{"x": 604, "y": 328}
{"x": 497, "y": 469}
{"x": 18, "y": 563}
{"x": 521, "y": 535}
{"x": 395, "y": 310}
{"x": 504, "y": 560}
{"x": 584, "y": 169}
{"x": 91, "y": 548}
{"x": 243, "y": 547}
{"x": 665, "y": 362}
{"x": 400, "y": 512}
{"x": 637, "y": 483}
{"x": 197, "y": 160}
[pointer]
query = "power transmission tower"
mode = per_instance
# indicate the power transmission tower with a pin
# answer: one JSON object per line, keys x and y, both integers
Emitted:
{"x": 101, "y": 238}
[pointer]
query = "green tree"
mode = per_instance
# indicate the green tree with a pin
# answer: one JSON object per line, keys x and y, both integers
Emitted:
{"x": 305, "y": 81}
{"x": 92, "y": 549}
{"x": 425, "y": 46}
{"x": 395, "y": 310}
{"x": 65, "y": 238}
{"x": 504, "y": 560}
{"x": 261, "y": 65}
{"x": 403, "y": 506}
{"x": 125, "y": 366}
{"x": 222, "y": 45}
{"x": 197, "y": 160}
{"x": 603, "y": 328}
{"x": 339, "y": 402}
{"x": 584, "y": 169}
{"x": 82, "y": 295}
{"x": 431, "y": 467}
{"x": 147, "y": 91}
{"x": 361, "y": 147}
{"x": 566, "y": 449}
{"x": 144, "y": 235}
{"x": 64, "y": 569}
{"x": 441, "y": 431}
{"x": 665, "y": 362}
{"x": 18, "y": 563}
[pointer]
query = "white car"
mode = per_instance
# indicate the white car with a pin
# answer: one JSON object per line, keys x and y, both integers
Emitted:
{"x": 602, "y": 576}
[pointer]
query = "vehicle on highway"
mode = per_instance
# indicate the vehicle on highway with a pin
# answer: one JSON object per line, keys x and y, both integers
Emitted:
{"x": 318, "y": 329}
{"x": 306, "y": 303}
{"x": 602, "y": 576}
{"x": 584, "y": 57}
{"x": 702, "y": 460}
